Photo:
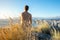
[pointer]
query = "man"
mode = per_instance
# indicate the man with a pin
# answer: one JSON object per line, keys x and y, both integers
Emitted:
{"x": 26, "y": 21}
{"x": 26, "y": 17}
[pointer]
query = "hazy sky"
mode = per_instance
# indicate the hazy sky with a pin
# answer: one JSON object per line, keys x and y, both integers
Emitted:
{"x": 38, "y": 8}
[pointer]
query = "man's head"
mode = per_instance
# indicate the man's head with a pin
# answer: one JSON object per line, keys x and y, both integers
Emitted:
{"x": 26, "y": 7}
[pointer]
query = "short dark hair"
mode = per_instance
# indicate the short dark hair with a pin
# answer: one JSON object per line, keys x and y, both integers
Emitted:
{"x": 26, "y": 7}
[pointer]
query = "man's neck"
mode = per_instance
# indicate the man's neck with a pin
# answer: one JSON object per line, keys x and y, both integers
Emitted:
{"x": 26, "y": 10}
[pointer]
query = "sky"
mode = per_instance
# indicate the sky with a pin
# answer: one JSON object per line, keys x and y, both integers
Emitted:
{"x": 38, "y": 8}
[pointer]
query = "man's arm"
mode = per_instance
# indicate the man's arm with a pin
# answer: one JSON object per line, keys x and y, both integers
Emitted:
{"x": 20, "y": 18}
{"x": 31, "y": 19}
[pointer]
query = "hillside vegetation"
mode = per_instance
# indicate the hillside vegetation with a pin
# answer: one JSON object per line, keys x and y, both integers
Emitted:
{"x": 16, "y": 32}
{"x": 13, "y": 32}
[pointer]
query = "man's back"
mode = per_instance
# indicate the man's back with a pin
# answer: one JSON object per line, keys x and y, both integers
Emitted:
{"x": 26, "y": 21}
{"x": 26, "y": 18}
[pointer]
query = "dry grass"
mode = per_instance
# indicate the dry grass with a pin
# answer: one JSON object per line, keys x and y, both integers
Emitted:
{"x": 42, "y": 25}
{"x": 14, "y": 32}
{"x": 56, "y": 35}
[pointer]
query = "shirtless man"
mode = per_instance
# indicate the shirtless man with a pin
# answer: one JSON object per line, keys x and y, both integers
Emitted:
{"x": 26, "y": 21}
{"x": 26, "y": 17}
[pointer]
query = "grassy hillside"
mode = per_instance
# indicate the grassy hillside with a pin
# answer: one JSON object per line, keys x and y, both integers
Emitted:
{"x": 16, "y": 32}
{"x": 13, "y": 32}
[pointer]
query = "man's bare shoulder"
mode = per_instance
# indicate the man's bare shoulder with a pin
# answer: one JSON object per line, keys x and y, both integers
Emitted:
{"x": 21, "y": 13}
{"x": 29, "y": 14}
